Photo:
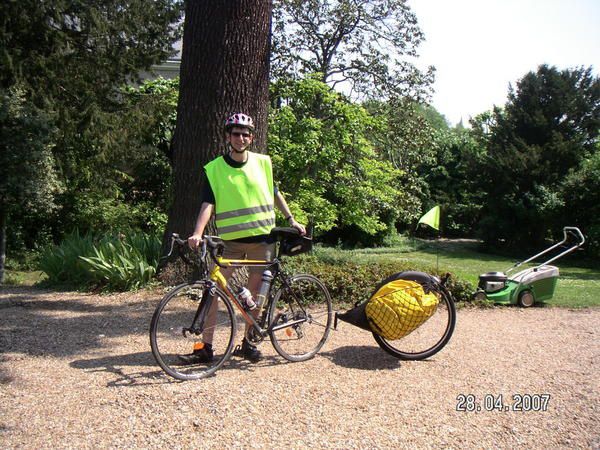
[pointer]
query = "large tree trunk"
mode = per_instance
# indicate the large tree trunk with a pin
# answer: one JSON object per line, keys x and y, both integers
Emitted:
{"x": 224, "y": 69}
{"x": 3, "y": 221}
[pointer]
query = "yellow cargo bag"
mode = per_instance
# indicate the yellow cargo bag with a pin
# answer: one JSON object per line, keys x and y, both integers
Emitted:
{"x": 399, "y": 307}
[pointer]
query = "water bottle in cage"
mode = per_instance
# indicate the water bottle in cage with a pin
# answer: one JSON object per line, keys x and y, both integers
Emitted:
{"x": 267, "y": 278}
{"x": 245, "y": 298}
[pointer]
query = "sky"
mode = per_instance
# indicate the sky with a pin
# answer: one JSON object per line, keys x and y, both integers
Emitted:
{"x": 480, "y": 46}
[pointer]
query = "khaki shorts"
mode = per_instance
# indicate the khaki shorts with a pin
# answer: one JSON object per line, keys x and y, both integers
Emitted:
{"x": 257, "y": 251}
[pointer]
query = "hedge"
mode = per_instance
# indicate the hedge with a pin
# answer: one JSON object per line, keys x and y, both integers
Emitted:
{"x": 349, "y": 282}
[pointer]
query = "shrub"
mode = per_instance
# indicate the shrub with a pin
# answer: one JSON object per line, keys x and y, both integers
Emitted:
{"x": 62, "y": 264}
{"x": 111, "y": 262}
{"x": 349, "y": 281}
{"x": 319, "y": 143}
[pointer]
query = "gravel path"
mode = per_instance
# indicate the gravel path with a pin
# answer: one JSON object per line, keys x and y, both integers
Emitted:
{"x": 76, "y": 371}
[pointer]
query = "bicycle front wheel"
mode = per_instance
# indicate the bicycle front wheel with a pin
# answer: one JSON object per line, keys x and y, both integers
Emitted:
{"x": 187, "y": 316}
{"x": 300, "y": 318}
{"x": 429, "y": 338}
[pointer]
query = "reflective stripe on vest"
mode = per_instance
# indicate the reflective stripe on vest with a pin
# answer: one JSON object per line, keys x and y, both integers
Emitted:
{"x": 244, "y": 198}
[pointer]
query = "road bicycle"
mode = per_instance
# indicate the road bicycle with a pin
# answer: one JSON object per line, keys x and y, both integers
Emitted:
{"x": 296, "y": 314}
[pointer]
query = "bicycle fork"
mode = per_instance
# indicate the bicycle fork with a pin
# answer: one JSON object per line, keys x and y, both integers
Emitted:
{"x": 197, "y": 326}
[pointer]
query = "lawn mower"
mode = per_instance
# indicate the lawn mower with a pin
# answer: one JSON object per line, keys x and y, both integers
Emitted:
{"x": 531, "y": 285}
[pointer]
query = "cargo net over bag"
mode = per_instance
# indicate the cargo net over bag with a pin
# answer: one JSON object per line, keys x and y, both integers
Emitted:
{"x": 399, "y": 307}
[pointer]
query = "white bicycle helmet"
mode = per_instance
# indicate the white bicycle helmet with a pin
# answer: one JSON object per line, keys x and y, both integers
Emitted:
{"x": 239, "y": 120}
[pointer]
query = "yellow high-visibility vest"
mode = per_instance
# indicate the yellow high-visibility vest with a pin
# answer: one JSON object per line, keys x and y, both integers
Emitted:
{"x": 244, "y": 197}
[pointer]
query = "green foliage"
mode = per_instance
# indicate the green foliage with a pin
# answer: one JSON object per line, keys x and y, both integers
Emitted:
{"x": 27, "y": 168}
{"x": 148, "y": 119}
{"x": 434, "y": 118}
{"x": 462, "y": 290}
{"x": 549, "y": 125}
{"x": 62, "y": 264}
{"x": 365, "y": 45}
{"x": 580, "y": 191}
{"x": 71, "y": 55}
{"x": 13, "y": 279}
{"x": 23, "y": 278}
{"x": 406, "y": 138}
{"x": 68, "y": 60}
{"x": 453, "y": 181}
{"x": 130, "y": 185}
{"x": 351, "y": 278}
{"x": 111, "y": 262}
{"x": 330, "y": 171}
{"x": 347, "y": 282}
{"x": 28, "y": 181}
{"x": 123, "y": 265}
{"x": 102, "y": 214}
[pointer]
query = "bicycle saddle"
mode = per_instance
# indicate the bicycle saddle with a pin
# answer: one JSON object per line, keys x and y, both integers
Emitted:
{"x": 281, "y": 233}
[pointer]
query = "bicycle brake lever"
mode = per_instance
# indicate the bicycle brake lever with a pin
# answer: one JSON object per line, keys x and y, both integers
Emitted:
{"x": 203, "y": 251}
{"x": 174, "y": 237}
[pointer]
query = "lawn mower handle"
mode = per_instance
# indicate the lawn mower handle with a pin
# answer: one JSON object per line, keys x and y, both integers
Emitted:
{"x": 566, "y": 230}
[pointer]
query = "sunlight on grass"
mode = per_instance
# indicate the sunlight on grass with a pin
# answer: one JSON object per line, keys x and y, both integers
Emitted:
{"x": 23, "y": 278}
{"x": 577, "y": 286}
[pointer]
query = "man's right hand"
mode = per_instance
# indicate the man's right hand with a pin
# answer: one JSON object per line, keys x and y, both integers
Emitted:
{"x": 194, "y": 241}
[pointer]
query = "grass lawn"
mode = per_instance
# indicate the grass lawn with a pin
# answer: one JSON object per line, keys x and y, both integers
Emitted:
{"x": 23, "y": 278}
{"x": 578, "y": 284}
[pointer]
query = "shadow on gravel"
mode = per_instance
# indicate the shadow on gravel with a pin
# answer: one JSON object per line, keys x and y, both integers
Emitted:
{"x": 134, "y": 359}
{"x": 40, "y": 327}
{"x": 4, "y": 377}
{"x": 115, "y": 364}
{"x": 45, "y": 323}
{"x": 361, "y": 357}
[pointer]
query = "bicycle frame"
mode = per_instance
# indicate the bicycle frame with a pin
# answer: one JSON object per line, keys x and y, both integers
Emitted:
{"x": 217, "y": 277}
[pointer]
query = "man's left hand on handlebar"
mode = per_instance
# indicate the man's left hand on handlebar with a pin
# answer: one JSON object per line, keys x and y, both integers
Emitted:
{"x": 194, "y": 241}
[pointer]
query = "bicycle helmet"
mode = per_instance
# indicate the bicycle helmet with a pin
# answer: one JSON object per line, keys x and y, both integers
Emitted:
{"x": 239, "y": 120}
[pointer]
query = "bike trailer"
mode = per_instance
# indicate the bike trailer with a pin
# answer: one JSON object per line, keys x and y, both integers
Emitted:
{"x": 399, "y": 305}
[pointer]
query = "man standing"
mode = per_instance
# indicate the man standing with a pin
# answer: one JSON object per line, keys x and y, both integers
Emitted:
{"x": 241, "y": 192}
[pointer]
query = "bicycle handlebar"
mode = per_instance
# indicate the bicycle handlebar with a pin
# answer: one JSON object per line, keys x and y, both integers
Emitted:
{"x": 175, "y": 239}
{"x": 210, "y": 244}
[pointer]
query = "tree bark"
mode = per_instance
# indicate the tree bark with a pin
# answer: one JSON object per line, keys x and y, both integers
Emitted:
{"x": 224, "y": 69}
{"x": 3, "y": 220}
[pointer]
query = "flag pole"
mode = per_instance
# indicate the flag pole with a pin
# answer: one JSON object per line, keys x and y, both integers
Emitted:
{"x": 437, "y": 253}
{"x": 432, "y": 218}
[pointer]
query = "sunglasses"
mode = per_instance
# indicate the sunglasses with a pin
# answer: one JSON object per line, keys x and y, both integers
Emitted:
{"x": 238, "y": 134}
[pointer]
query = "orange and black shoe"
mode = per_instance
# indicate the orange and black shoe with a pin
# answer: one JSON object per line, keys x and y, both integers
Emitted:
{"x": 200, "y": 355}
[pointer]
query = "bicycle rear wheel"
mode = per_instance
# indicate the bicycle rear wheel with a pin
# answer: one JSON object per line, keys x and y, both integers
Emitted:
{"x": 429, "y": 338}
{"x": 175, "y": 329}
{"x": 300, "y": 318}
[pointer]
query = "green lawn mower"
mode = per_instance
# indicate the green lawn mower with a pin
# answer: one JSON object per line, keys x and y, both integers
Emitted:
{"x": 531, "y": 285}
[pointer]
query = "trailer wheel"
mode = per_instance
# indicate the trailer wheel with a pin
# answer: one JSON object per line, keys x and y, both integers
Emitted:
{"x": 526, "y": 299}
